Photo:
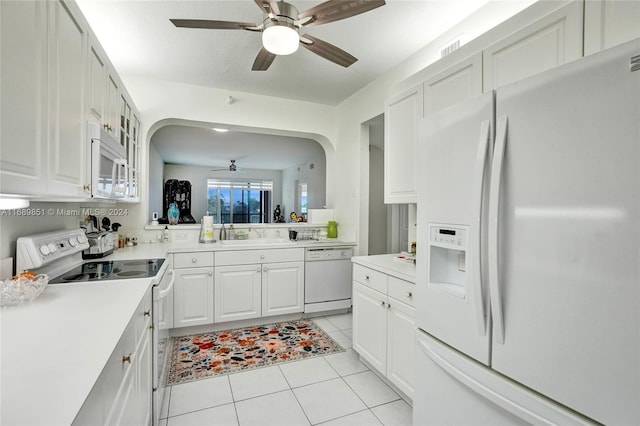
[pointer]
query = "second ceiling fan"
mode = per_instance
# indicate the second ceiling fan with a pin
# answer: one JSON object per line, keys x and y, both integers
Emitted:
{"x": 281, "y": 28}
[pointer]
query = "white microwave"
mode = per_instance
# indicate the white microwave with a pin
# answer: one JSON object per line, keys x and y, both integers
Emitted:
{"x": 109, "y": 171}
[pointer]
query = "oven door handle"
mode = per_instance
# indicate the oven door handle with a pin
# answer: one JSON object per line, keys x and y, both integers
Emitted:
{"x": 164, "y": 293}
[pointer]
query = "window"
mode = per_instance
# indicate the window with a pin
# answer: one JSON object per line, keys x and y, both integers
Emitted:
{"x": 239, "y": 202}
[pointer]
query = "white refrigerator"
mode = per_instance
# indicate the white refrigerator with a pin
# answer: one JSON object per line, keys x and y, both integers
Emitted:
{"x": 528, "y": 267}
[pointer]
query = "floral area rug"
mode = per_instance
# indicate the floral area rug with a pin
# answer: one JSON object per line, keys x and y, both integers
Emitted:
{"x": 222, "y": 352}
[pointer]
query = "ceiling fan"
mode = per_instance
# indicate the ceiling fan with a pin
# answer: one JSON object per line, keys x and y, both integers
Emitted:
{"x": 282, "y": 24}
{"x": 232, "y": 168}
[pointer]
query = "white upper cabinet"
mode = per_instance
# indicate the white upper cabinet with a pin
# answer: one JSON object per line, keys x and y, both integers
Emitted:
{"x": 97, "y": 88}
{"x": 608, "y": 23}
{"x": 401, "y": 116}
{"x": 455, "y": 84}
{"x": 23, "y": 66}
{"x": 112, "y": 106}
{"x": 43, "y": 82}
{"x": 68, "y": 49}
{"x": 546, "y": 43}
{"x": 54, "y": 77}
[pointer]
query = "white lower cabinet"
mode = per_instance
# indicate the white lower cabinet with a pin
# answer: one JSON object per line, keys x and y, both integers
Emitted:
{"x": 122, "y": 394}
{"x": 384, "y": 325}
{"x": 258, "y": 283}
{"x": 237, "y": 292}
{"x": 282, "y": 288}
{"x": 193, "y": 296}
{"x": 193, "y": 289}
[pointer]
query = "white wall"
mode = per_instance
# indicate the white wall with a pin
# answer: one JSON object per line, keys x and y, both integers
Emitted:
{"x": 315, "y": 178}
{"x": 377, "y": 208}
{"x": 156, "y": 182}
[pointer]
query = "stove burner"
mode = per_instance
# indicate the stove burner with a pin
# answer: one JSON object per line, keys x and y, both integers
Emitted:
{"x": 111, "y": 270}
{"x": 83, "y": 277}
{"x": 140, "y": 262}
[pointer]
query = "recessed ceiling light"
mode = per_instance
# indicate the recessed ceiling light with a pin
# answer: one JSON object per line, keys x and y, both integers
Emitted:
{"x": 221, "y": 130}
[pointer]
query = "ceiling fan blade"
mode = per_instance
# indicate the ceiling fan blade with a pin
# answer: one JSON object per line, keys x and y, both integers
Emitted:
{"x": 263, "y": 60}
{"x": 327, "y": 50}
{"x": 212, "y": 25}
{"x": 268, "y": 6}
{"x": 334, "y": 10}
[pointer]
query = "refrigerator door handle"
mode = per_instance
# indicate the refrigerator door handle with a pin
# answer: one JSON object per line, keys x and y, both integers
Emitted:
{"x": 494, "y": 207}
{"x": 478, "y": 180}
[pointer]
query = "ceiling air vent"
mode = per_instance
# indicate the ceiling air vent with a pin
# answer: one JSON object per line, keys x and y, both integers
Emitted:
{"x": 449, "y": 48}
{"x": 634, "y": 63}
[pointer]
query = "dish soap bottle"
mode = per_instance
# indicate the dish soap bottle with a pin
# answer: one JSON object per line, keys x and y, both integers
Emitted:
{"x": 332, "y": 229}
{"x": 166, "y": 236}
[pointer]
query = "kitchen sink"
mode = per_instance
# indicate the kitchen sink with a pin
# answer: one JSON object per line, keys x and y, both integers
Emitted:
{"x": 257, "y": 242}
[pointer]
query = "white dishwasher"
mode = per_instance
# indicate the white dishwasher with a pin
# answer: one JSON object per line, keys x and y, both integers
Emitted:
{"x": 327, "y": 278}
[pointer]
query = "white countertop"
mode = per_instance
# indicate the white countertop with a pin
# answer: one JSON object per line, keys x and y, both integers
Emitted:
{"x": 54, "y": 348}
{"x": 154, "y": 250}
{"x": 386, "y": 264}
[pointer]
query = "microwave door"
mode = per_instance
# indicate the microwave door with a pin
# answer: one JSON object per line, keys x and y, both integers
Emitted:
{"x": 119, "y": 174}
{"x": 107, "y": 171}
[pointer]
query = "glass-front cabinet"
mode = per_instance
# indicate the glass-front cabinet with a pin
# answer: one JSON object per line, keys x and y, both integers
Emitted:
{"x": 129, "y": 135}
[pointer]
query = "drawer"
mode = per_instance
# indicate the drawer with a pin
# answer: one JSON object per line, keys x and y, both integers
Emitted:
{"x": 142, "y": 317}
{"x": 192, "y": 260}
{"x": 402, "y": 290}
{"x": 373, "y": 279}
{"x": 119, "y": 364}
{"x": 247, "y": 257}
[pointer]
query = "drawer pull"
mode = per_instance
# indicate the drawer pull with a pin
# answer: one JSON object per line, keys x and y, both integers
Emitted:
{"x": 147, "y": 313}
{"x": 262, "y": 256}
{"x": 258, "y": 270}
{"x": 265, "y": 269}
{"x": 194, "y": 260}
{"x": 382, "y": 303}
{"x": 366, "y": 277}
{"x": 210, "y": 273}
{"x": 388, "y": 305}
{"x": 126, "y": 359}
{"x": 409, "y": 294}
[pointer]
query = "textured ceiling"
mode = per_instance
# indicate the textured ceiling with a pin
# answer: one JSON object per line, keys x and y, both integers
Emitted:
{"x": 201, "y": 146}
{"x": 140, "y": 41}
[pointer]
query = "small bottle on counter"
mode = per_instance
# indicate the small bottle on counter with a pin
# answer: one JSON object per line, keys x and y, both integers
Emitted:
{"x": 166, "y": 236}
{"x": 232, "y": 233}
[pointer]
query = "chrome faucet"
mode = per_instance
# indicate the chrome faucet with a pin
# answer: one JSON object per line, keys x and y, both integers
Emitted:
{"x": 260, "y": 234}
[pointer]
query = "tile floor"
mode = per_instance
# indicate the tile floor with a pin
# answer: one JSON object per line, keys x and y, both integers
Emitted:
{"x": 335, "y": 389}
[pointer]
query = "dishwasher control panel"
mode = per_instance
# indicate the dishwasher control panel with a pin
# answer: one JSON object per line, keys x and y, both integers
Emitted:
{"x": 318, "y": 254}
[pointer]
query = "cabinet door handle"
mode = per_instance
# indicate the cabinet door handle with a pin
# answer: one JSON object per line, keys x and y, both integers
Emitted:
{"x": 210, "y": 272}
{"x": 194, "y": 260}
{"x": 147, "y": 313}
{"x": 366, "y": 277}
{"x": 382, "y": 303}
{"x": 388, "y": 305}
{"x": 126, "y": 358}
{"x": 265, "y": 269}
{"x": 262, "y": 256}
{"x": 258, "y": 270}
{"x": 409, "y": 294}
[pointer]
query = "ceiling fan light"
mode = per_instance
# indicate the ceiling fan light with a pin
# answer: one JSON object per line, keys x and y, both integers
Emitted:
{"x": 280, "y": 39}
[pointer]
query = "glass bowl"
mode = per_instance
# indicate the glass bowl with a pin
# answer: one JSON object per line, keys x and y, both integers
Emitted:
{"x": 21, "y": 289}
